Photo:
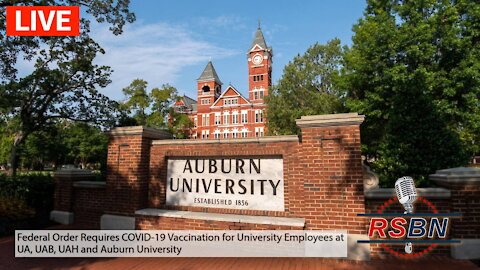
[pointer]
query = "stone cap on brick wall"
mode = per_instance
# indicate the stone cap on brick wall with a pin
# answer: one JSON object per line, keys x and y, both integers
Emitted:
{"x": 387, "y": 193}
{"x": 73, "y": 173}
{"x": 89, "y": 184}
{"x": 279, "y": 221}
{"x": 146, "y": 132}
{"x": 266, "y": 139}
{"x": 459, "y": 175}
{"x": 340, "y": 119}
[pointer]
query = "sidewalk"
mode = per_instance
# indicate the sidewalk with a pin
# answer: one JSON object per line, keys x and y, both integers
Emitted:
{"x": 8, "y": 261}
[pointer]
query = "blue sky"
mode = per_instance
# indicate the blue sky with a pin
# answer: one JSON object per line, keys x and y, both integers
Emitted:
{"x": 172, "y": 41}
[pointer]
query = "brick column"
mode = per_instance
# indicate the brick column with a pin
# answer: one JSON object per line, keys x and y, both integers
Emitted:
{"x": 333, "y": 176}
{"x": 64, "y": 196}
{"x": 464, "y": 185}
{"x": 128, "y": 168}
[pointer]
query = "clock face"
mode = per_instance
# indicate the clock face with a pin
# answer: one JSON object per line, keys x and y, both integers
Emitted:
{"x": 257, "y": 59}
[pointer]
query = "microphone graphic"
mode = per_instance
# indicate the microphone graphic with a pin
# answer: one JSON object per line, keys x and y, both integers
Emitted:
{"x": 407, "y": 195}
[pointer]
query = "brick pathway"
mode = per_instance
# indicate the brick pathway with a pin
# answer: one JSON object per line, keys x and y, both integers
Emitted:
{"x": 8, "y": 261}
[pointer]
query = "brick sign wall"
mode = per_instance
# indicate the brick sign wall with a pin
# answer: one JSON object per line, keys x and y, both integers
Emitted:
{"x": 322, "y": 174}
{"x": 313, "y": 181}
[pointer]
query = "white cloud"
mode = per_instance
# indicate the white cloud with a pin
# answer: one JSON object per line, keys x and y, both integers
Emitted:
{"x": 156, "y": 53}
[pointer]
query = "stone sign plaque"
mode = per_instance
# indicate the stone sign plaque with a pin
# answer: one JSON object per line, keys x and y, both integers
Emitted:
{"x": 254, "y": 183}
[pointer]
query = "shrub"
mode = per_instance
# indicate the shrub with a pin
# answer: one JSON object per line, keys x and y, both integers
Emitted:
{"x": 35, "y": 189}
{"x": 15, "y": 209}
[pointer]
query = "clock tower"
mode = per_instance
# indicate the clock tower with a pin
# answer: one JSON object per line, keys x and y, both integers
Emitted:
{"x": 259, "y": 59}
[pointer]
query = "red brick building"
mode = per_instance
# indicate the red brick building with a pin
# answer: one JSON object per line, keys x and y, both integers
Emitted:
{"x": 226, "y": 114}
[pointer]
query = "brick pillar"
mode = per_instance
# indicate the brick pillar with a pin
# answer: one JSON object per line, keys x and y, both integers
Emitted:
{"x": 64, "y": 195}
{"x": 128, "y": 168}
{"x": 332, "y": 171}
{"x": 464, "y": 185}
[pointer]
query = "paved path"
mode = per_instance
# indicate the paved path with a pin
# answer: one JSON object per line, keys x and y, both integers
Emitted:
{"x": 8, "y": 261}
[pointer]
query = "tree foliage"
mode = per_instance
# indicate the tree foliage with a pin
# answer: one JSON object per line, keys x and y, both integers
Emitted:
{"x": 66, "y": 142}
{"x": 137, "y": 100}
{"x": 180, "y": 124}
{"x": 147, "y": 108}
{"x": 414, "y": 71}
{"x": 85, "y": 144}
{"x": 64, "y": 81}
{"x": 308, "y": 86}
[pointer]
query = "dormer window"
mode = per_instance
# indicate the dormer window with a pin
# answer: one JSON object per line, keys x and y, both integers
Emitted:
{"x": 230, "y": 101}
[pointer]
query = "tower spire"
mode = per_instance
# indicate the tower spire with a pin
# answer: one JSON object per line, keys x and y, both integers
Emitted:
{"x": 209, "y": 74}
{"x": 258, "y": 23}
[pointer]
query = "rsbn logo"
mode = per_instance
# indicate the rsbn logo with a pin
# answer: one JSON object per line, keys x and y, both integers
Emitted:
{"x": 43, "y": 21}
{"x": 426, "y": 230}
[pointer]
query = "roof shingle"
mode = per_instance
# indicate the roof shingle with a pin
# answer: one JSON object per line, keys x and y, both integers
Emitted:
{"x": 209, "y": 74}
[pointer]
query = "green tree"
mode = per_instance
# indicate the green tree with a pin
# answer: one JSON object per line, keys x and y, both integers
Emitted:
{"x": 145, "y": 108}
{"x": 162, "y": 98}
{"x": 85, "y": 144}
{"x": 137, "y": 100}
{"x": 414, "y": 71}
{"x": 308, "y": 86}
{"x": 64, "y": 82}
{"x": 179, "y": 124}
{"x": 41, "y": 148}
{"x": 6, "y": 141}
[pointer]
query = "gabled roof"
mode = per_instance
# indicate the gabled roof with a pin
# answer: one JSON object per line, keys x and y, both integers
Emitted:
{"x": 188, "y": 102}
{"x": 226, "y": 90}
{"x": 209, "y": 74}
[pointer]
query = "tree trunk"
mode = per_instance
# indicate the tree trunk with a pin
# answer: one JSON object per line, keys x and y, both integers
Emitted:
{"x": 19, "y": 137}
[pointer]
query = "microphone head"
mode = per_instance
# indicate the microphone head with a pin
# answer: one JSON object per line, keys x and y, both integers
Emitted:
{"x": 406, "y": 192}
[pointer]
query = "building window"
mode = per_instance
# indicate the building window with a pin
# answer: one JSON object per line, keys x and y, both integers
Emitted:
{"x": 206, "y": 120}
{"x": 235, "y": 133}
{"x": 258, "y": 93}
{"x": 225, "y": 134}
{"x": 258, "y": 116}
{"x": 225, "y": 119}
{"x": 235, "y": 118}
{"x": 259, "y": 132}
{"x": 195, "y": 121}
{"x": 205, "y": 101}
{"x": 217, "y": 119}
{"x": 244, "y": 117}
{"x": 244, "y": 133}
{"x": 205, "y": 134}
{"x": 258, "y": 78}
{"x": 206, "y": 89}
{"x": 230, "y": 101}
{"x": 216, "y": 135}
